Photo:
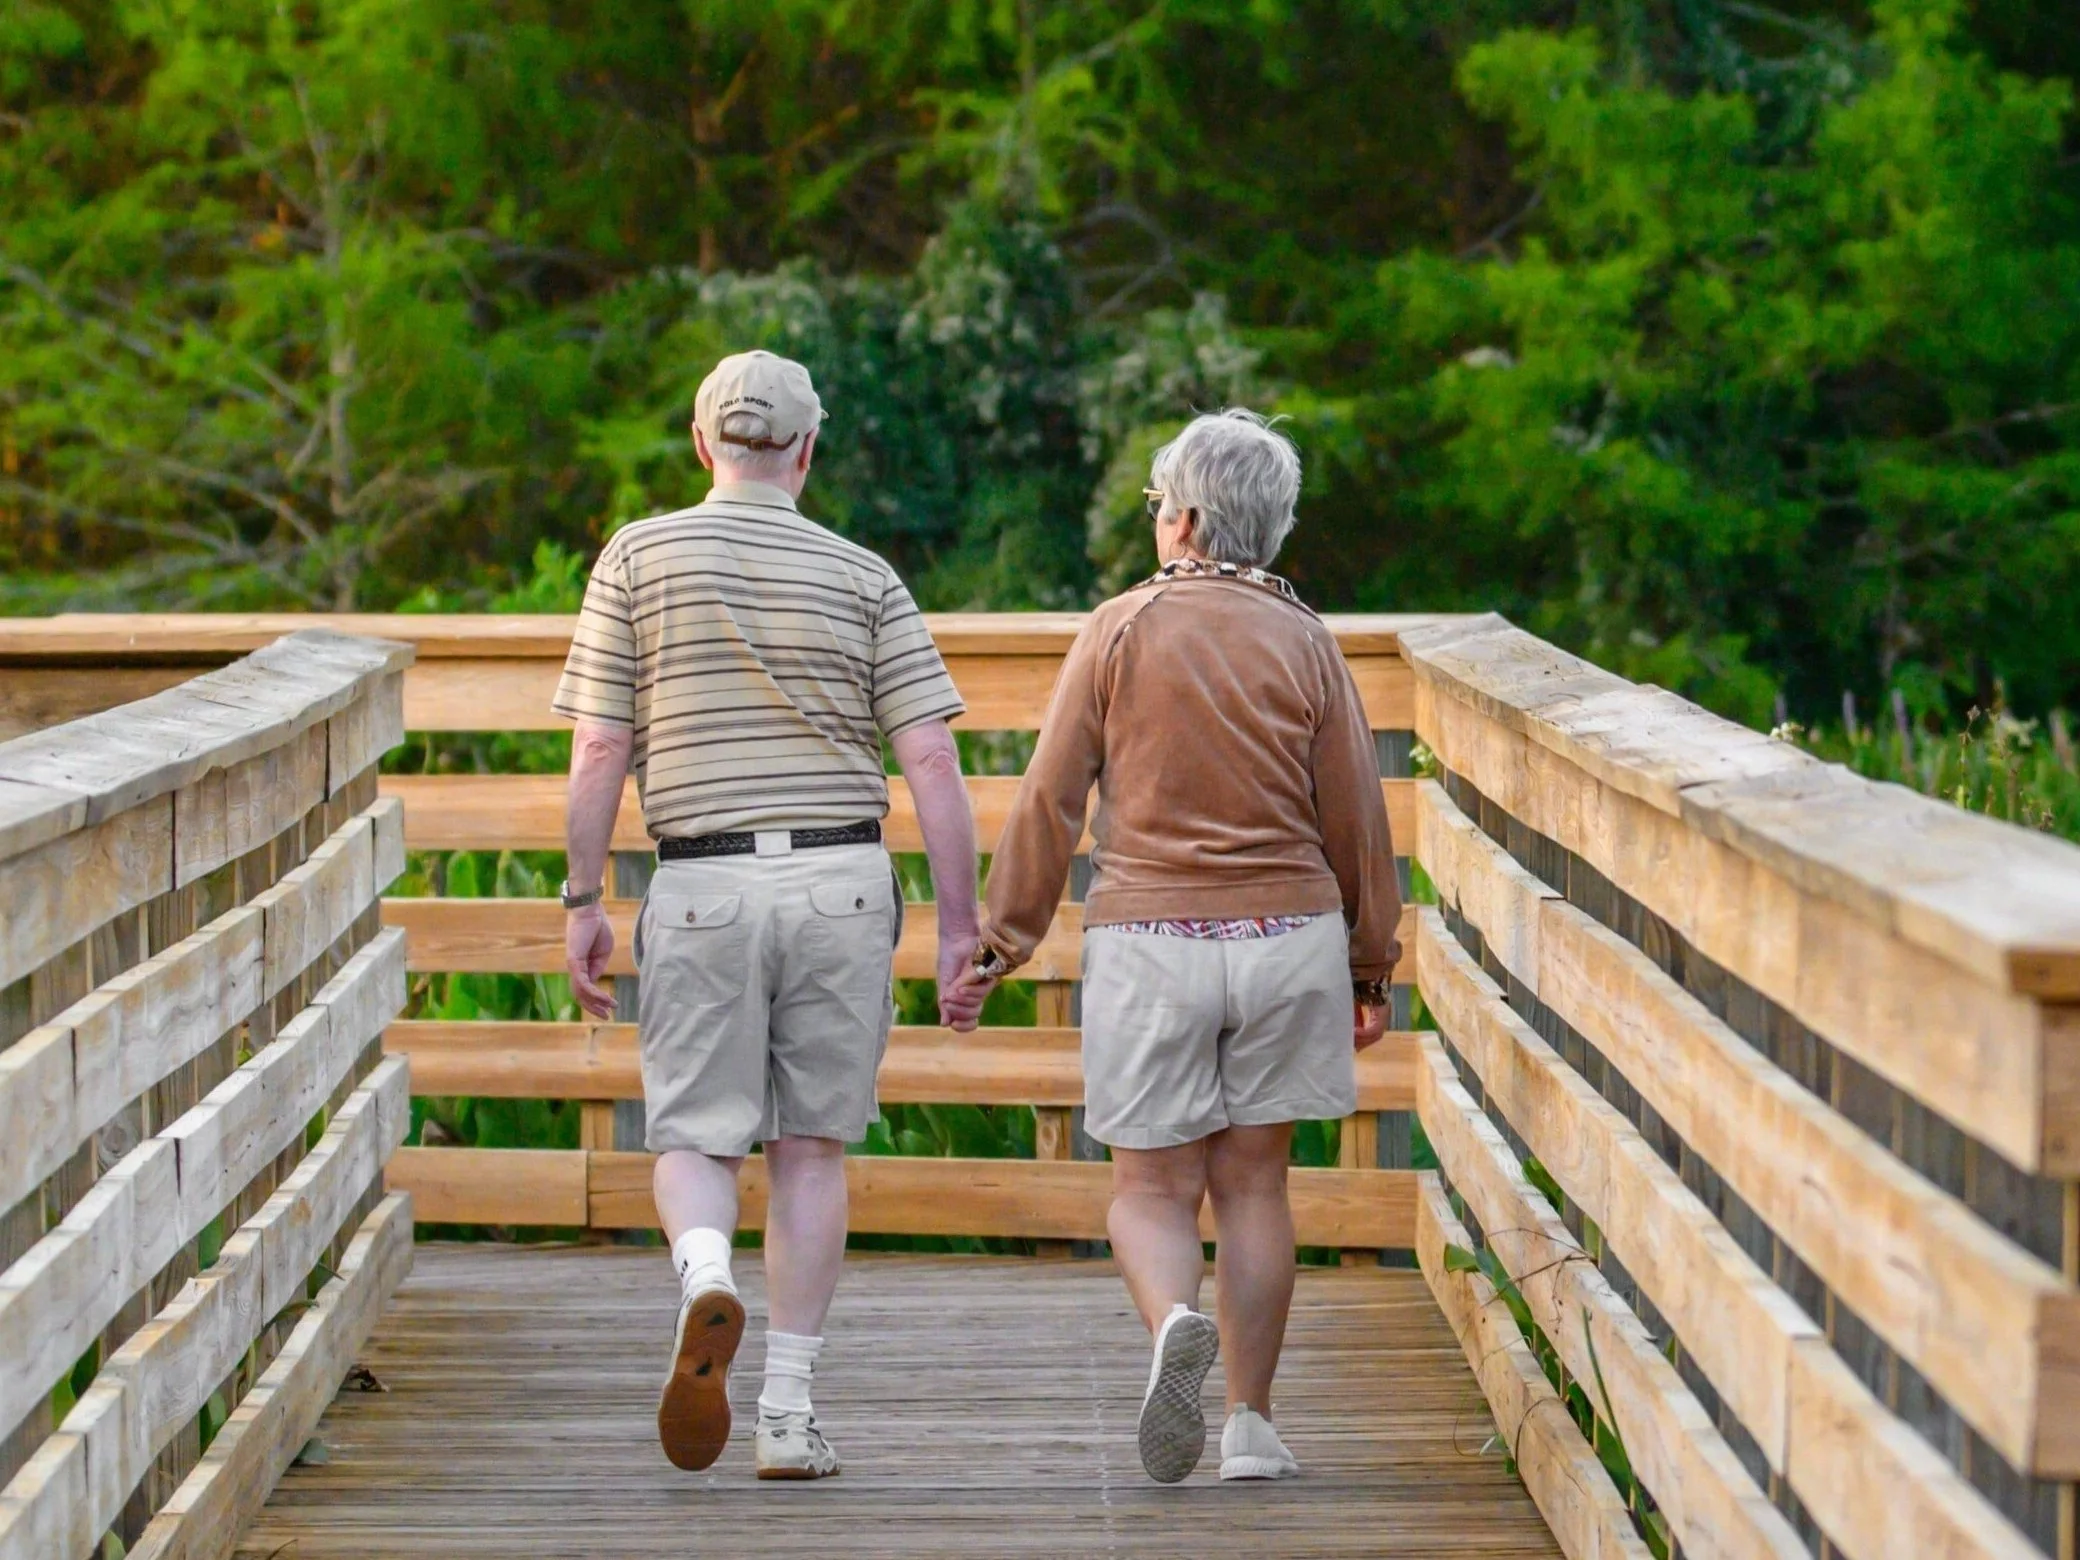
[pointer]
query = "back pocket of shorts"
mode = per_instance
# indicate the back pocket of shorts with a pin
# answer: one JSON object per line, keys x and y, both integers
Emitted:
{"x": 695, "y": 946}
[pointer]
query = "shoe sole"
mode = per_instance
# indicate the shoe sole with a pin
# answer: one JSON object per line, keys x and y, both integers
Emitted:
{"x": 1172, "y": 1433}
{"x": 1257, "y": 1468}
{"x": 798, "y": 1473}
{"x": 693, "y": 1413}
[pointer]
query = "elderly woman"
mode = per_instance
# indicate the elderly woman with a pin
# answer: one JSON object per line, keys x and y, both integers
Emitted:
{"x": 1239, "y": 928}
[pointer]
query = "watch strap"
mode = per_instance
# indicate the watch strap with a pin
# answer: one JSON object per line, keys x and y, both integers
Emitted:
{"x": 573, "y": 901}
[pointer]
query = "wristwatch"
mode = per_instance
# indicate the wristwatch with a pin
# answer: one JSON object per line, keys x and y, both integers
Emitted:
{"x": 573, "y": 901}
{"x": 1370, "y": 993}
{"x": 990, "y": 964}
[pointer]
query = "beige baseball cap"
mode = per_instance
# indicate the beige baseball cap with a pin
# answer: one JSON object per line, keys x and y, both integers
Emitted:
{"x": 757, "y": 400}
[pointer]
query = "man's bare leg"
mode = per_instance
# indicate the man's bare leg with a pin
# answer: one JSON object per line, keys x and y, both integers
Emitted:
{"x": 697, "y": 1205}
{"x": 1154, "y": 1224}
{"x": 805, "y": 1252}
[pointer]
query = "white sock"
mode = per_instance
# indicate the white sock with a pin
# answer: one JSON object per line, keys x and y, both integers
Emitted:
{"x": 701, "y": 1256}
{"x": 790, "y": 1362}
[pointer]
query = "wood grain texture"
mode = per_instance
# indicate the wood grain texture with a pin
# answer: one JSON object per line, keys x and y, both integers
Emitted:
{"x": 1770, "y": 1362}
{"x": 1573, "y": 1493}
{"x": 33, "y": 699}
{"x": 1712, "y": 1506}
{"x": 1735, "y": 1323}
{"x": 154, "y": 1386}
{"x": 229, "y": 1486}
{"x": 984, "y": 1409}
{"x": 1038, "y": 1199}
{"x": 526, "y": 812}
{"x": 62, "y": 890}
{"x": 2000, "y": 902}
{"x": 1984, "y": 1058}
{"x": 1995, "y": 1329}
{"x": 58, "y": 1298}
{"x": 582, "y": 1061}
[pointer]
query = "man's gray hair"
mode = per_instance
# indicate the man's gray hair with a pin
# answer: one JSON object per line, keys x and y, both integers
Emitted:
{"x": 1243, "y": 477}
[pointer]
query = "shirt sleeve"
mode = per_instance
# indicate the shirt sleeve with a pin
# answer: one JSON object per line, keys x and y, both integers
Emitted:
{"x": 1031, "y": 861}
{"x": 599, "y": 675}
{"x": 910, "y": 681}
{"x": 1352, "y": 811}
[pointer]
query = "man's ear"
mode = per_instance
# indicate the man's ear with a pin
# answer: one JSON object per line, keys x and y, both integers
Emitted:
{"x": 700, "y": 448}
{"x": 801, "y": 463}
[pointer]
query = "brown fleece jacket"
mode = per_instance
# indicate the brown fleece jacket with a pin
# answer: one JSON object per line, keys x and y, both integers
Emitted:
{"x": 1236, "y": 775}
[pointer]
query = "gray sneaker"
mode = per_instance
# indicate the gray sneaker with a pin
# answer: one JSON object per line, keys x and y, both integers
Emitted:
{"x": 1172, "y": 1433}
{"x": 792, "y": 1447}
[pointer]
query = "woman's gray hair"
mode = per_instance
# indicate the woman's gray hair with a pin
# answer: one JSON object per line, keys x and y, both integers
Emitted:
{"x": 1243, "y": 477}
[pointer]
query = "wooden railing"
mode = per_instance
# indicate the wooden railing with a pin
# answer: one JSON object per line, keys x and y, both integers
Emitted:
{"x": 1800, "y": 1055}
{"x": 477, "y": 673}
{"x": 1755, "y": 1085}
{"x": 194, "y": 1108}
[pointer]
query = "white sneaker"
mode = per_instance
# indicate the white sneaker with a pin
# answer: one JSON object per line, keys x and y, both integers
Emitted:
{"x": 791, "y": 1446}
{"x": 1251, "y": 1449}
{"x": 1172, "y": 1433}
{"x": 693, "y": 1412}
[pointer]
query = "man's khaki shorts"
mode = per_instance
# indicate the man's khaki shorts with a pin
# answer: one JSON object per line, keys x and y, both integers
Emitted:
{"x": 765, "y": 996}
{"x": 1185, "y": 1036}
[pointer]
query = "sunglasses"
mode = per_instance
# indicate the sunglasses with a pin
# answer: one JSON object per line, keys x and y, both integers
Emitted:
{"x": 1154, "y": 498}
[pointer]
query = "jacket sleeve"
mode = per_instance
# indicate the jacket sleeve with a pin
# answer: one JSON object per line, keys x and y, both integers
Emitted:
{"x": 1031, "y": 861}
{"x": 1352, "y": 812}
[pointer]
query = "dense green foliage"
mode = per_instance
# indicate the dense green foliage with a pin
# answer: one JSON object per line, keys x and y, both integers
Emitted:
{"x": 1734, "y": 346}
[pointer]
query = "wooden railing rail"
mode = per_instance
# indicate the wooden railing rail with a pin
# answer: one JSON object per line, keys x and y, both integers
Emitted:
{"x": 1797, "y": 1052}
{"x": 497, "y": 673}
{"x": 194, "y": 1107}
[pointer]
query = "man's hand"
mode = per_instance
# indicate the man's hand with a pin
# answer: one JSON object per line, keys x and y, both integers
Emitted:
{"x": 1367, "y": 1025}
{"x": 588, "y": 942}
{"x": 960, "y": 1006}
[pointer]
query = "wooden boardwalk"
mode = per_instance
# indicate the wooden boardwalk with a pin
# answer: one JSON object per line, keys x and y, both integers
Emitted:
{"x": 984, "y": 1408}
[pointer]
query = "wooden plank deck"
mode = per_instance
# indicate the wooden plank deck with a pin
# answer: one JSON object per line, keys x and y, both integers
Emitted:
{"x": 984, "y": 1407}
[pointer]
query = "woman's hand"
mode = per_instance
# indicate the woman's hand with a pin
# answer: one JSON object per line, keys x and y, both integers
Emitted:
{"x": 1367, "y": 1025}
{"x": 961, "y": 1006}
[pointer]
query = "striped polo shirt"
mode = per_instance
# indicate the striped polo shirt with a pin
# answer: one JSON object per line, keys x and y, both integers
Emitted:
{"x": 759, "y": 659}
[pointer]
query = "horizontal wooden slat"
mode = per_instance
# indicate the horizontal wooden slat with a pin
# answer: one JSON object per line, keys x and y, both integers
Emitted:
{"x": 1751, "y": 1341}
{"x": 1992, "y": 1327}
{"x": 153, "y": 1387}
{"x": 525, "y": 937}
{"x": 497, "y": 1060}
{"x": 1711, "y": 1504}
{"x": 526, "y": 812}
{"x": 1030, "y": 1198}
{"x": 1573, "y": 1492}
{"x": 144, "y": 637}
{"x": 203, "y": 1519}
{"x": 57, "y": 1299}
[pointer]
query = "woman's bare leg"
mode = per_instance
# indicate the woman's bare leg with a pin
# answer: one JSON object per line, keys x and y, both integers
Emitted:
{"x": 1154, "y": 1225}
{"x": 1253, "y": 1255}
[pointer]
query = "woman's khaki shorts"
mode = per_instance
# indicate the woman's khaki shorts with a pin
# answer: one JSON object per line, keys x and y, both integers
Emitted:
{"x": 765, "y": 996}
{"x": 1183, "y": 1036}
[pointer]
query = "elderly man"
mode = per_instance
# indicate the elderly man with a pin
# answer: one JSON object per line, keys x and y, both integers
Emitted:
{"x": 1240, "y": 929}
{"x": 747, "y": 662}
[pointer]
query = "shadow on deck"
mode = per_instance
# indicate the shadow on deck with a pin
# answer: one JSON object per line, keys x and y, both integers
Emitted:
{"x": 984, "y": 1408}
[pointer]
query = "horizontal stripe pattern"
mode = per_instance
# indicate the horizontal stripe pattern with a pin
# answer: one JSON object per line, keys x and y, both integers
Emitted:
{"x": 759, "y": 659}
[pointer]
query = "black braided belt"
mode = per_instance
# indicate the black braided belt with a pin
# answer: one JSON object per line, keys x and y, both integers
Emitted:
{"x": 868, "y": 833}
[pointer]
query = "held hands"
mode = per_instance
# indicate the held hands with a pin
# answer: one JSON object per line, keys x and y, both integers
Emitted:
{"x": 1367, "y": 1025}
{"x": 960, "y": 998}
{"x": 588, "y": 942}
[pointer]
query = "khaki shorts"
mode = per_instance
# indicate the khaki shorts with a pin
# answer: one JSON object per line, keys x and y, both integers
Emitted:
{"x": 766, "y": 997}
{"x": 1184, "y": 1036}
